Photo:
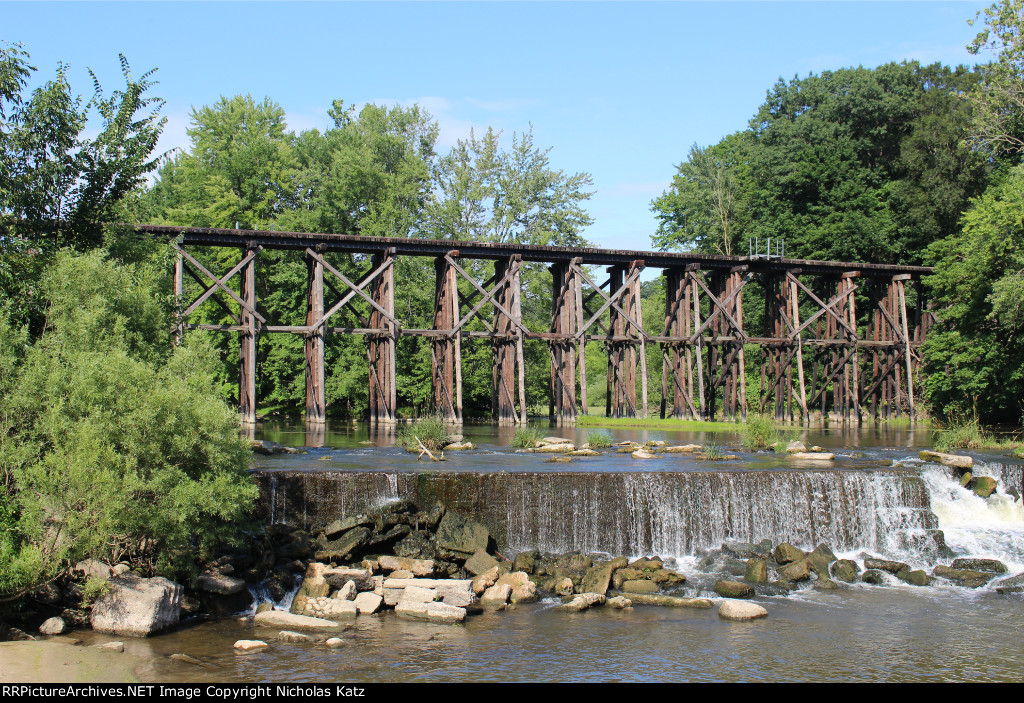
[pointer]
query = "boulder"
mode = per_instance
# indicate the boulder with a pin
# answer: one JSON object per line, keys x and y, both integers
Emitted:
{"x": 458, "y": 534}
{"x": 646, "y": 564}
{"x": 281, "y": 619}
{"x": 556, "y": 440}
{"x": 328, "y": 608}
{"x": 523, "y": 589}
{"x": 845, "y": 570}
{"x": 481, "y": 562}
{"x": 93, "y": 568}
{"x": 338, "y": 577}
{"x": 956, "y": 461}
{"x": 418, "y": 567}
{"x": 346, "y": 592}
{"x": 580, "y": 602}
{"x": 813, "y": 456}
{"x": 795, "y": 446}
{"x": 564, "y": 587}
{"x": 873, "y": 576}
{"x": 917, "y": 577}
{"x": 797, "y": 571}
{"x": 367, "y": 603}
{"x": 892, "y": 567}
{"x": 638, "y": 586}
{"x": 665, "y": 577}
{"x": 485, "y": 580}
{"x": 525, "y": 561}
{"x": 747, "y": 550}
{"x": 219, "y": 584}
{"x": 496, "y": 595}
{"x": 53, "y": 626}
{"x": 983, "y": 486}
{"x": 619, "y": 602}
{"x": 756, "y": 571}
{"x": 733, "y": 589}
{"x": 335, "y": 529}
{"x": 335, "y": 642}
{"x": 683, "y": 449}
{"x": 137, "y": 606}
{"x": 668, "y": 601}
{"x": 597, "y": 578}
{"x": 556, "y": 448}
{"x": 345, "y": 547}
{"x": 430, "y": 611}
{"x": 584, "y": 452}
{"x": 991, "y": 565}
{"x": 294, "y": 637}
{"x": 786, "y": 553}
{"x": 739, "y": 610}
{"x": 820, "y": 559}
{"x": 964, "y": 577}
{"x": 246, "y": 646}
{"x": 1013, "y": 584}
{"x": 643, "y": 454}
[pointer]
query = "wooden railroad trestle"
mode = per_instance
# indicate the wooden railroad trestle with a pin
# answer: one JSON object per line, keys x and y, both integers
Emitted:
{"x": 818, "y": 352}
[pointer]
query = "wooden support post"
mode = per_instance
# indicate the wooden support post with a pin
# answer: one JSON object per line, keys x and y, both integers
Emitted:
{"x": 677, "y": 373}
{"x": 562, "y": 406}
{"x": 247, "y": 342}
{"x": 381, "y": 345}
{"x": 581, "y": 343}
{"x": 906, "y": 341}
{"x": 508, "y": 345}
{"x": 446, "y": 369}
{"x": 624, "y": 353}
{"x": 179, "y": 291}
{"x": 316, "y": 404}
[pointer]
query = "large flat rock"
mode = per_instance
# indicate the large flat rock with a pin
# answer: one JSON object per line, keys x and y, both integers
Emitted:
{"x": 291, "y": 621}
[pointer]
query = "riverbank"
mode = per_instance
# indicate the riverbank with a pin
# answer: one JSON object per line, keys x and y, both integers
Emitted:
{"x": 63, "y": 661}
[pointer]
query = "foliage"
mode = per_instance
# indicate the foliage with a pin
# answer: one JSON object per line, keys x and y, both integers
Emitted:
{"x": 974, "y": 358}
{"x": 712, "y": 452}
{"x": 431, "y": 431}
{"x": 115, "y": 447}
{"x": 525, "y": 438}
{"x": 599, "y": 440}
{"x": 998, "y": 104}
{"x": 760, "y": 432}
{"x": 962, "y": 433}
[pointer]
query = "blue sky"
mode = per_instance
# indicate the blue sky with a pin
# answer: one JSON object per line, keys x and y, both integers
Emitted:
{"x": 619, "y": 89}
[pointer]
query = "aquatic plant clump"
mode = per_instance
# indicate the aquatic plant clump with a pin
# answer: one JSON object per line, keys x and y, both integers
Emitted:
{"x": 962, "y": 434}
{"x": 431, "y": 431}
{"x": 525, "y": 438}
{"x": 599, "y": 440}
{"x": 760, "y": 433}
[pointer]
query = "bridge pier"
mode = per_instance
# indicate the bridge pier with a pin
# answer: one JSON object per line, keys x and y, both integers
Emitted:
{"x": 380, "y": 344}
{"x": 677, "y": 356}
{"x": 562, "y": 345}
{"x": 626, "y": 342}
{"x": 509, "y": 374}
{"x": 316, "y": 399}
{"x": 446, "y": 343}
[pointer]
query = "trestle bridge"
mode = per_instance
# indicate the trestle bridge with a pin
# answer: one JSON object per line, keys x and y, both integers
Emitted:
{"x": 840, "y": 339}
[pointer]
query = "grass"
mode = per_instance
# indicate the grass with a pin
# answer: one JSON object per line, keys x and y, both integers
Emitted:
{"x": 432, "y": 431}
{"x": 760, "y": 432}
{"x": 599, "y": 440}
{"x": 656, "y": 423}
{"x": 713, "y": 451}
{"x": 525, "y": 438}
{"x": 967, "y": 433}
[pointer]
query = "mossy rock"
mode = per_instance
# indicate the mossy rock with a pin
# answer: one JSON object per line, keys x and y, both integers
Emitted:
{"x": 733, "y": 589}
{"x": 756, "y": 571}
{"x": 845, "y": 570}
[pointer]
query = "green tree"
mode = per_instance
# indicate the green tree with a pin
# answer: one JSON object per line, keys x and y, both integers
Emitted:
{"x": 998, "y": 104}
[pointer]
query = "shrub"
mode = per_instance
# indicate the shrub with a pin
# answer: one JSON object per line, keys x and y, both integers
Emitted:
{"x": 760, "y": 432}
{"x": 962, "y": 433}
{"x": 525, "y": 438}
{"x": 432, "y": 431}
{"x": 599, "y": 440}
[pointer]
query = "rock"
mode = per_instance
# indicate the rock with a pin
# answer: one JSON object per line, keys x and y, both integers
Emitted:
{"x": 983, "y": 486}
{"x": 640, "y": 587}
{"x": 584, "y": 452}
{"x": 916, "y": 577}
{"x": 556, "y": 448}
{"x": 245, "y": 646}
{"x": 525, "y": 561}
{"x": 188, "y": 659}
{"x": 523, "y": 589}
{"x": 402, "y": 574}
{"x": 346, "y": 592}
{"x": 137, "y": 606}
{"x": 53, "y": 626}
{"x": 338, "y": 527}
{"x": 668, "y": 601}
{"x": 664, "y": 577}
{"x": 335, "y": 642}
{"x": 328, "y": 608}
{"x": 733, "y": 589}
{"x": 459, "y": 534}
{"x": 892, "y": 567}
{"x": 580, "y": 602}
{"x": 964, "y": 577}
{"x": 619, "y": 602}
{"x": 757, "y": 571}
{"x": 556, "y": 440}
{"x": 289, "y": 636}
{"x": 480, "y": 563}
{"x": 957, "y": 461}
{"x": 873, "y": 576}
{"x": 338, "y": 577}
{"x": 1013, "y": 584}
{"x": 598, "y": 578}
{"x": 646, "y": 564}
{"x": 464, "y": 584}
{"x": 279, "y": 619}
{"x": 643, "y": 454}
{"x": 797, "y": 571}
{"x": 747, "y": 550}
{"x": 368, "y": 603}
{"x": 496, "y": 595}
{"x": 485, "y": 580}
{"x": 965, "y": 479}
{"x": 813, "y": 456}
{"x": 47, "y": 594}
{"x": 264, "y": 606}
{"x": 345, "y": 547}
{"x": 845, "y": 570}
{"x": 433, "y": 612}
{"x": 683, "y": 449}
{"x": 786, "y": 553}
{"x": 212, "y": 582}
{"x": 93, "y": 568}
{"x": 820, "y": 559}
{"x": 111, "y": 646}
{"x": 418, "y": 567}
{"x": 991, "y": 565}
{"x": 795, "y": 446}
{"x": 738, "y": 610}
{"x": 564, "y": 587}
{"x": 458, "y": 446}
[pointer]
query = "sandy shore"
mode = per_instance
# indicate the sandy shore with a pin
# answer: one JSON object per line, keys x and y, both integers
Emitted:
{"x": 49, "y": 661}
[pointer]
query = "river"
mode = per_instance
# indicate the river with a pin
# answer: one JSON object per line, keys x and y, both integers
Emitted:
{"x": 676, "y": 507}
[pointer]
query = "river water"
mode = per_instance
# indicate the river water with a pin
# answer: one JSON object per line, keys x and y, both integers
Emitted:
{"x": 876, "y": 497}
